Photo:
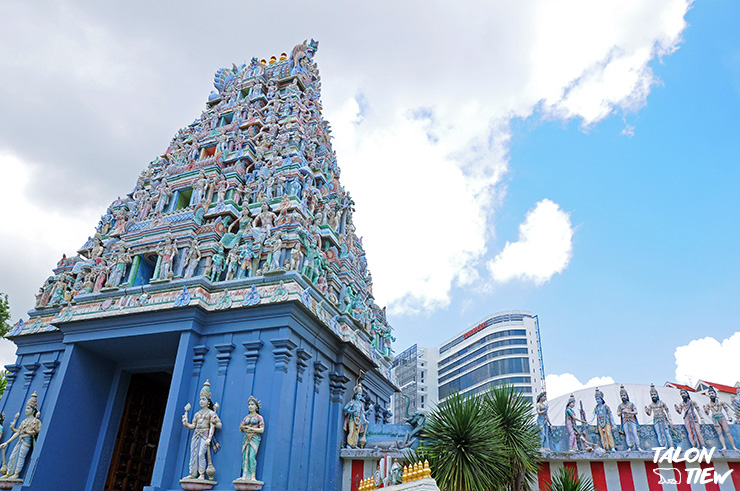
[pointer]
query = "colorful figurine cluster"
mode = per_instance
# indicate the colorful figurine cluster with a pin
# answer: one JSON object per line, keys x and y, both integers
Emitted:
{"x": 627, "y": 412}
{"x": 250, "y": 188}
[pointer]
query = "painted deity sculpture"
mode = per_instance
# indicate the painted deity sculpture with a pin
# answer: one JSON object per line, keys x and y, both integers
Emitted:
{"x": 191, "y": 260}
{"x": 570, "y": 423}
{"x": 167, "y": 252}
{"x": 205, "y": 423}
{"x": 627, "y": 412}
{"x": 25, "y": 435}
{"x": 661, "y": 418}
{"x": 123, "y": 259}
{"x": 355, "y": 423}
{"x": 253, "y": 426}
{"x": 692, "y": 418}
{"x": 717, "y": 409}
{"x": 543, "y": 420}
{"x": 735, "y": 402}
{"x": 604, "y": 421}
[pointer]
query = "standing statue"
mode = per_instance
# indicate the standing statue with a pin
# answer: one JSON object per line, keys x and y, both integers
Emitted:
{"x": 691, "y": 418}
{"x": 543, "y": 420}
{"x": 191, "y": 260}
{"x": 217, "y": 265}
{"x": 570, "y": 423}
{"x": 253, "y": 426}
{"x": 627, "y": 411}
{"x": 122, "y": 259}
{"x": 205, "y": 423}
{"x": 25, "y": 434}
{"x": 735, "y": 402}
{"x": 717, "y": 409}
{"x": 354, "y": 418}
{"x": 604, "y": 421}
{"x": 661, "y": 418}
{"x": 167, "y": 252}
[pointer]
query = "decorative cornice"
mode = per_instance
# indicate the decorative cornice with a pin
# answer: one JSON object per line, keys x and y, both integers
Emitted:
{"x": 223, "y": 356}
{"x": 283, "y": 352}
{"x": 50, "y": 369}
{"x": 337, "y": 386}
{"x": 199, "y": 357}
{"x": 252, "y": 353}
{"x": 29, "y": 373}
{"x": 302, "y": 362}
{"x": 318, "y": 375}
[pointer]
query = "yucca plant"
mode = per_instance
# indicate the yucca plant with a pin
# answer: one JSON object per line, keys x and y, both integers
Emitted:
{"x": 567, "y": 480}
{"x": 464, "y": 449}
{"x": 514, "y": 424}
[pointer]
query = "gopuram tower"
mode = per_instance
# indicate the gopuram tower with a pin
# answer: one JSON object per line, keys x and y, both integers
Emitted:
{"x": 231, "y": 270}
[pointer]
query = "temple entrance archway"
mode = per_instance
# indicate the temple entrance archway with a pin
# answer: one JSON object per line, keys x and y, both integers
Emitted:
{"x": 135, "y": 448}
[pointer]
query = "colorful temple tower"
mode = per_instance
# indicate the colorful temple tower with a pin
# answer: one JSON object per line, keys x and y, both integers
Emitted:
{"x": 231, "y": 270}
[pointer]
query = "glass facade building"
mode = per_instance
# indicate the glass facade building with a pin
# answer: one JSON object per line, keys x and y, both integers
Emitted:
{"x": 414, "y": 371}
{"x": 503, "y": 348}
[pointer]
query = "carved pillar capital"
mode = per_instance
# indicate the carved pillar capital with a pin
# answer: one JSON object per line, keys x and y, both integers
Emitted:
{"x": 252, "y": 353}
{"x": 283, "y": 352}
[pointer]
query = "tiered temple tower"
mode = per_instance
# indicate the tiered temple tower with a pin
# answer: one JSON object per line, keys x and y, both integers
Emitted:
{"x": 234, "y": 260}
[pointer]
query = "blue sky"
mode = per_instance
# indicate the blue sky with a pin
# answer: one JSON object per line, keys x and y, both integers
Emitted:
{"x": 655, "y": 256}
{"x": 606, "y": 131}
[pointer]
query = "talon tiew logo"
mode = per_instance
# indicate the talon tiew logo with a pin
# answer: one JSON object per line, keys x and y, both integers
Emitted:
{"x": 672, "y": 475}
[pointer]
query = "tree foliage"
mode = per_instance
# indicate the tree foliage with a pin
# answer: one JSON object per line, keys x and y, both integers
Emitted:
{"x": 4, "y": 315}
{"x": 567, "y": 480}
{"x": 482, "y": 443}
{"x": 514, "y": 422}
{"x": 464, "y": 449}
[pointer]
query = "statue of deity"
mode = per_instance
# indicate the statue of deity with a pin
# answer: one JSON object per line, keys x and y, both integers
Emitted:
{"x": 253, "y": 426}
{"x": 167, "y": 253}
{"x": 355, "y": 422}
{"x": 735, "y": 402}
{"x": 191, "y": 260}
{"x": 205, "y": 423}
{"x": 627, "y": 411}
{"x": 122, "y": 259}
{"x": 232, "y": 263}
{"x": 25, "y": 434}
{"x": 692, "y": 418}
{"x": 661, "y": 418}
{"x": 570, "y": 423}
{"x": 604, "y": 421}
{"x": 543, "y": 420}
{"x": 217, "y": 265}
{"x": 716, "y": 409}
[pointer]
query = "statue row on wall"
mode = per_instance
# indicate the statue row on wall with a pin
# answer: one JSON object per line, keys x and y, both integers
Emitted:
{"x": 204, "y": 424}
{"x": 717, "y": 410}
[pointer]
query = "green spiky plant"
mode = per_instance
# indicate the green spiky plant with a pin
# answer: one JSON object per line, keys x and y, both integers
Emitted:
{"x": 514, "y": 423}
{"x": 464, "y": 449}
{"x": 567, "y": 480}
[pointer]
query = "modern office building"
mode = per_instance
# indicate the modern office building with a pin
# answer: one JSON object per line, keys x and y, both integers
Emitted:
{"x": 503, "y": 348}
{"x": 415, "y": 373}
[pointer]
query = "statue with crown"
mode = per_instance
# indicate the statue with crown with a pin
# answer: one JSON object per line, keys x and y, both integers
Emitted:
{"x": 355, "y": 421}
{"x": 25, "y": 435}
{"x": 205, "y": 423}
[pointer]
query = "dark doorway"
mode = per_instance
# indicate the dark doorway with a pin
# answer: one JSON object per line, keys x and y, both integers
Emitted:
{"x": 135, "y": 449}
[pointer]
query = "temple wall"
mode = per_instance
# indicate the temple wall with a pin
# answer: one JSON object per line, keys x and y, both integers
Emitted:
{"x": 278, "y": 353}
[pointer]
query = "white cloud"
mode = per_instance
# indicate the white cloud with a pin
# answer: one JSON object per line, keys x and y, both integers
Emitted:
{"x": 544, "y": 247}
{"x": 567, "y": 383}
{"x": 709, "y": 359}
{"x": 425, "y": 159}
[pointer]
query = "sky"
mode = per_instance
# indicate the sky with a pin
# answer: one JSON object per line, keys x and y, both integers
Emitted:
{"x": 572, "y": 158}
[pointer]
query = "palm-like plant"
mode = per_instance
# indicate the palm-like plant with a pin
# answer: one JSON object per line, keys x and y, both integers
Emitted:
{"x": 567, "y": 480}
{"x": 515, "y": 426}
{"x": 461, "y": 440}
